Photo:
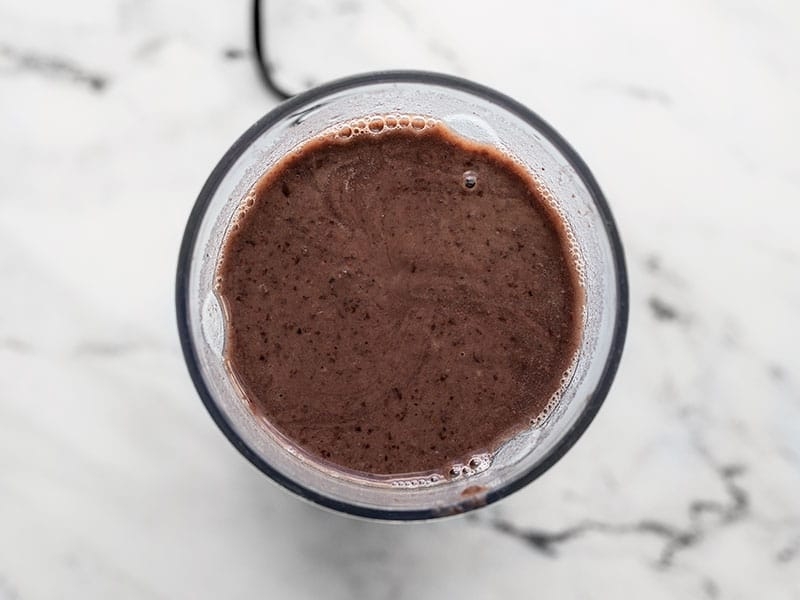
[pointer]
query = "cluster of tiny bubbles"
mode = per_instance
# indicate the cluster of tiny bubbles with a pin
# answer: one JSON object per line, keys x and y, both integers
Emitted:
{"x": 241, "y": 211}
{"x": 218, "y": 278}
{"x": 377, "y": 124}
{"x": 552, "y": 403}
{"x": 572, "y": 242}
{"x": 418, "y": 482}
{"x": 476, "y": 464}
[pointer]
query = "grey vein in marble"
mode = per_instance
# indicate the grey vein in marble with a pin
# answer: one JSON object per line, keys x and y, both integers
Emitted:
{"x": 662, "y": 310}
{"x": 53, "y": 67}
{"x": 790, "y": 552}
{"x": 674, "y": 538}
{"x": 17, "y": 345}
{"x": 637, "y": 92}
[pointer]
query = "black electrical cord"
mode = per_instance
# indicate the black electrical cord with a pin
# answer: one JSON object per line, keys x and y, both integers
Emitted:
{"x": 262, "y": 61}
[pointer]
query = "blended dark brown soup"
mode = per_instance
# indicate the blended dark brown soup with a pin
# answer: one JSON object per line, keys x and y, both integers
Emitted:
{"x": 399, "y": 299}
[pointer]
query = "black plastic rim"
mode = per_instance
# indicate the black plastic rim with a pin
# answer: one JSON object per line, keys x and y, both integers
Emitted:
{"x": 440, "y": 80}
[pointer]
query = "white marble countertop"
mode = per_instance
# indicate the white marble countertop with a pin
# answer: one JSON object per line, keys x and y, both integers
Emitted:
{"x": 115, "y": 483}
